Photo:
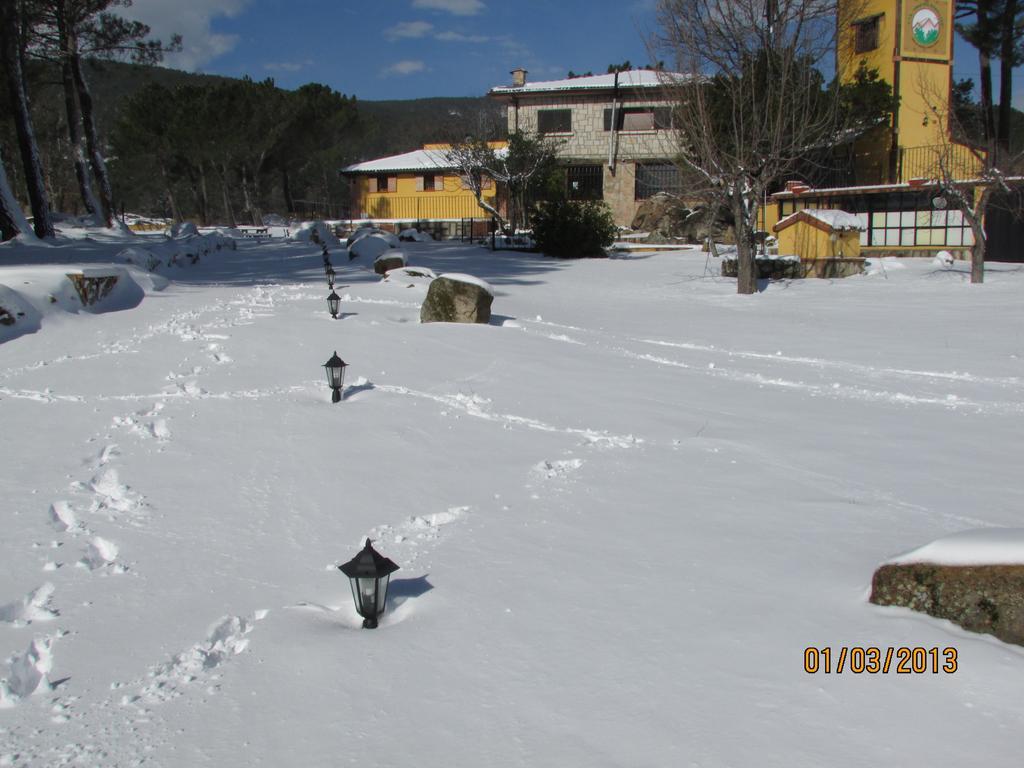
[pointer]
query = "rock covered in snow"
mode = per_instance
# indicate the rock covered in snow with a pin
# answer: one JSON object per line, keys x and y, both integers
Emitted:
{"x": 315, "y": 232}
{"x": 388, "y": 261}
{"x": 363, "y": 232}
{"x": 973, "y": 578}
{"x": 457, "y": 298}
{"x": 415, "y": 236}
{"x": 411, "y": 275}
{"x": 369, "y": 247}
{"x": 183, "y": 229}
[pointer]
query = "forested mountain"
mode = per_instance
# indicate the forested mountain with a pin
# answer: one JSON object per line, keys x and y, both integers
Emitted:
{"x": 212, "y": 148}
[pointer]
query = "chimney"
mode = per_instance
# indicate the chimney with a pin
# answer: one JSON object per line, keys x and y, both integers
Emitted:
{"x": 518, "y": 77}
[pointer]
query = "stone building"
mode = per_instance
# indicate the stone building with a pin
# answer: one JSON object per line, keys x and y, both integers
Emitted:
{"x": 613, "y": 133}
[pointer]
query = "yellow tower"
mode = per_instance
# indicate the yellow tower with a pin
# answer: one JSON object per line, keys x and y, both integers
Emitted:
{"x": 910, "y": 43}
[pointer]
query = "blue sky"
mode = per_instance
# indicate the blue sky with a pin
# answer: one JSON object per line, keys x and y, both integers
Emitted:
{"x": 402, "y": 49}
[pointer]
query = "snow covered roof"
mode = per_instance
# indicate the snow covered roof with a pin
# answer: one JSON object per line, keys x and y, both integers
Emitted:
{"x": 835, "y": 220}
{"x": 635, "y": 78}
{"x": 417, "y": 160}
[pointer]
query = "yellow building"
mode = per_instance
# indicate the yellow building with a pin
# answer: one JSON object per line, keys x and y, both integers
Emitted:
{"x": 898, "y": 200}
{"x": 415, "y": 186}
{"x": 910, "y": 44}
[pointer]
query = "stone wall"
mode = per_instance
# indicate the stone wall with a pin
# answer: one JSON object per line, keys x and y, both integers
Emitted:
{"x": 588, "y": 139}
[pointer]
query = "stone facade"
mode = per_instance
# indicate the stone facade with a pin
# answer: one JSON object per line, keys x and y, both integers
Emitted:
{"x": 588, "y": 139}
{"x": 588, "y": 143}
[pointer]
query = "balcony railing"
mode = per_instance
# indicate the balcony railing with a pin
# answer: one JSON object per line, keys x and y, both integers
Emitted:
{"x": 939, "y": 161}
{"x": 425, "y": 206}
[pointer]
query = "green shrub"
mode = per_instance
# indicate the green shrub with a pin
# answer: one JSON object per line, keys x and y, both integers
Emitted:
{"x": 571, "y": 229}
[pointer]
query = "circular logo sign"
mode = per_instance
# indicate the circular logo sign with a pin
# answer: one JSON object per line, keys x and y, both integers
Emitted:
{"x": 925, "y": 27}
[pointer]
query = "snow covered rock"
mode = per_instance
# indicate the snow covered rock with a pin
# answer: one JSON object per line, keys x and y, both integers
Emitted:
{"x": 387, "y": 261}
{"x": 363, "y": 232}
{"x": 183, "y": 229}
{"x": 316, "y": 232}
{"x": 455, "y": 298}
{"x": 369, "y": 247}
{"x": 974, "y": 579}
{"x": 409, "y": 275}
{"x": 415, "y": 236}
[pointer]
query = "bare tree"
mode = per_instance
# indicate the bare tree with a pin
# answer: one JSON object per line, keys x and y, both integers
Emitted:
{"x": 753, "y": 102}
{"x": 967, "y": 177}
{"x": 518, "y": 168}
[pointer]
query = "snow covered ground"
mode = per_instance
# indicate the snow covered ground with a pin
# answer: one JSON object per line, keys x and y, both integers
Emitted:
{"x": 622, "y": 511}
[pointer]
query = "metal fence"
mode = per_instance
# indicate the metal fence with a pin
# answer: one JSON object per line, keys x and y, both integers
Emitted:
{"x": 929, "y": 162}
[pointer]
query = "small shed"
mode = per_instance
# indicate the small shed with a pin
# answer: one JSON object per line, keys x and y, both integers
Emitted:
{"x": 826, "y": 241}
{"x": 813, "y": 233}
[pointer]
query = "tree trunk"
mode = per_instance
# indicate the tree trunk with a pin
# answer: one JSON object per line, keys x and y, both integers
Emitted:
{"x": 247, "y": 197}
{"x": 746, "y": 266}
{"x": 175, "y": 212}
{"x": 976, "y": 217}
{"x": 229, "y": 212}
{"x": 94, "y": 156}
{"x": 204, "y": 196}
{"x": 1007, "y": 40}
{"x": 11, "y": 55}
{"x": 12, "y": 218}
{"x": 286, "y": 190}
{"x": 74, "y": 118}
{"x": 987, "y": 108}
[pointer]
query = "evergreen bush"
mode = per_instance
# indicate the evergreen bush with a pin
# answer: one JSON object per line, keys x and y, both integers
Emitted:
{"x": 571, "y": 229}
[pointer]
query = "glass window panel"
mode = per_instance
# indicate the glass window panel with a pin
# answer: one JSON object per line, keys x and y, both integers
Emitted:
{"x": 892, "y": 237}
{"x": 864, "y": 237}
{"x": 907, "y": 237}
{"x": 892, "y": 219}
{"x": 938, "y": 218}
{"x": 939, "y": 236}
{"x": 923, "y": 219}
{"x": 924, "y": 236}
{"x": 956, "y": 218}
{"x": 878, "y": 219}
{"x": 968, "y": 237}
{"x": 908, "y": 218}
{"x": 954, "y": 236}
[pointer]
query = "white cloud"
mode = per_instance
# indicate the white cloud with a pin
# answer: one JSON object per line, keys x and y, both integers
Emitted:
{"x": 404, "y": 67}
{"x": 191, "y": 19}
{"x": 287, "y": 66}
{"x": 458, "y": 7}
{"x": 408, "y": 29}
{"x": 458, "y": 37}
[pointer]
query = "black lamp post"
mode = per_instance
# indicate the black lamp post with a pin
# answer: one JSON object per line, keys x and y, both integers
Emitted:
{"x": 333, "y": 303}
{"x": 329, "y": 271}
{"x": 369, "y": 573}
{"x": 335, "y": 376}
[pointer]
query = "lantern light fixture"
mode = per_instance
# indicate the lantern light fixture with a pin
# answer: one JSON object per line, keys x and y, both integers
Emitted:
{"x": 333, "y": 303}
{"x": 369, "y": 574}
{"x": 335, "y": 368}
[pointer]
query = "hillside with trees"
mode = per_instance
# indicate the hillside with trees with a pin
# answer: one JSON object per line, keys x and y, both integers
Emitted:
{"x": 90, "y": 125}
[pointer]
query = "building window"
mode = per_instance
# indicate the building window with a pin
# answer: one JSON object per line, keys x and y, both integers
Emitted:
{"x": 652, "y": 178}
{"x": 383, "y": 183}
{"x": 865, "y": 34}
{"x": 639, "y": 118}
{"x": 554, "y": 121}
{"x": 584, "y": 182}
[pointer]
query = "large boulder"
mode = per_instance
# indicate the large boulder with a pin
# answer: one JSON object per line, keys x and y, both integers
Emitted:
{"x": 369, "y": 247}
{"x": 974, "y": 579}
{"x": 455, "y": 298}
{"x": 666, "y": 218}
{"x": 387, "y": 261}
